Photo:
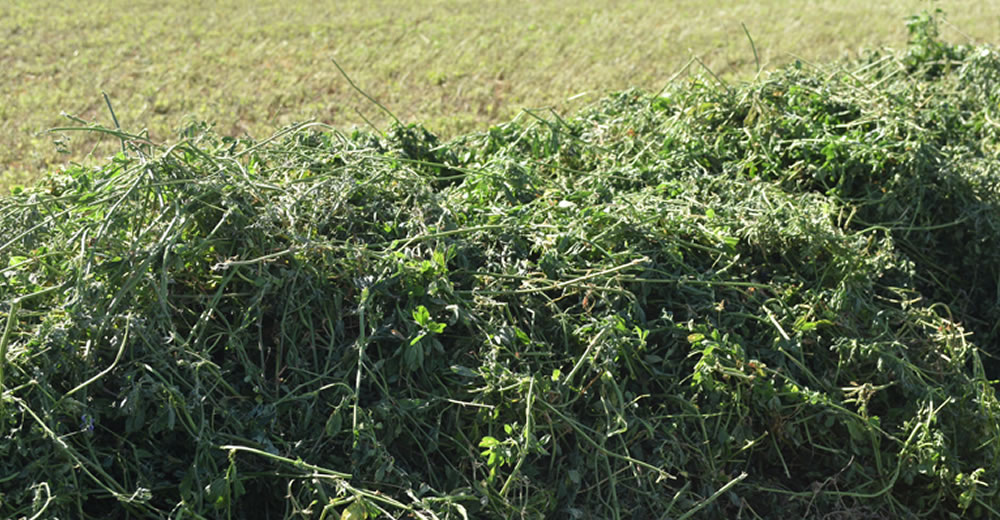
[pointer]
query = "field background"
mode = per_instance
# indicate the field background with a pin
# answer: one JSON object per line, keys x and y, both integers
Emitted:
{"x": 454, "y": 65}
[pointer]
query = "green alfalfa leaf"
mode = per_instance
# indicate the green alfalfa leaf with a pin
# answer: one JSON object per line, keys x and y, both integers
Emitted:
{"x": 334, "y": 423}
{"x": 414, "y": 356}
{"x": 805, "y": 325}
{"x": 436, "y": 328}
{"x": 421, "y": 315}
{"x": 522, "y": 336}
{"x": 355, "y": 511}
{"x": 16, "y": 261}
{"x": 438, "y": 257}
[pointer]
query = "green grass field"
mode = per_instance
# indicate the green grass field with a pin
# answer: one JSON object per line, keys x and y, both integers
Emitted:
{"x": 456, "y": 66}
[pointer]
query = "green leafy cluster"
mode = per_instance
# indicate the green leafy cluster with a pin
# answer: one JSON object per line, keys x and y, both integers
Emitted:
{"x": 775, "y": 299}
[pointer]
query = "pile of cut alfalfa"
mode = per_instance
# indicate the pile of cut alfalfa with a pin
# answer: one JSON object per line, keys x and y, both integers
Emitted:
{"x": 776, "y": 299}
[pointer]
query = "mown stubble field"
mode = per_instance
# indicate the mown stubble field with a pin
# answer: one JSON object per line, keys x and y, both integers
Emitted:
{"x": 454, "y": 65}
